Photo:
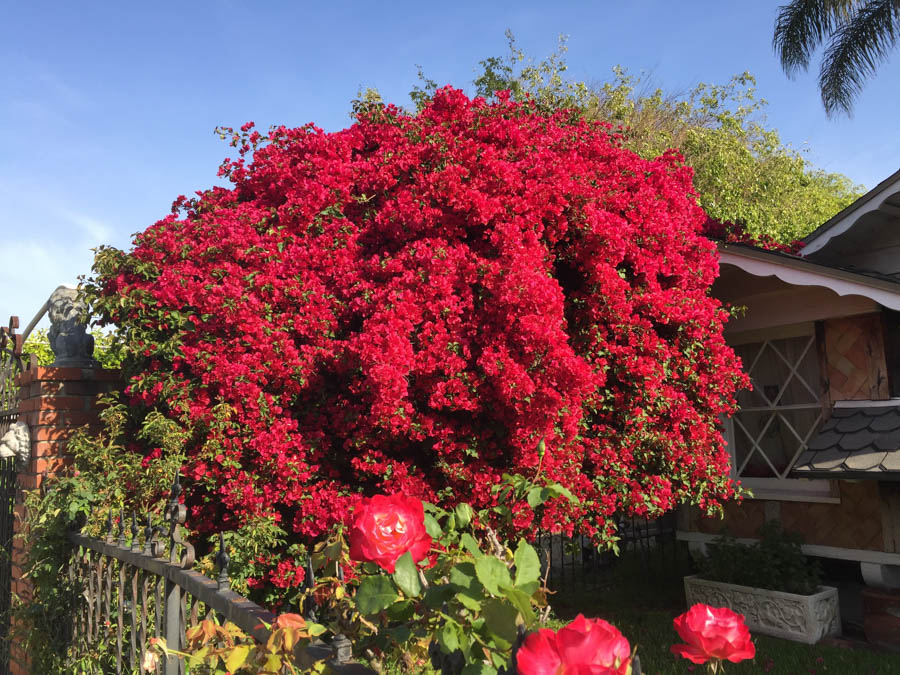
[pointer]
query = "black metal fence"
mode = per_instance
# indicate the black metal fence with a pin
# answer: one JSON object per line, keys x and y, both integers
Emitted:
{"x": 575, "y": 563}
{"x": 7, "y": 517}
{"x": 132, "y": 588}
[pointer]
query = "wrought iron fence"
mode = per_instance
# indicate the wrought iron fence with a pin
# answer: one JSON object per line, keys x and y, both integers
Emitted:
{"x": 573, "y": 563}
{"x": 132, "y": 588}
{"x": 7, "y": 513}
{"x": 12, "y": 362}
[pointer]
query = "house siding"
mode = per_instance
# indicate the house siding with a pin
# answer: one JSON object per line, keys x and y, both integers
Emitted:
{"x": 856, "y": 522}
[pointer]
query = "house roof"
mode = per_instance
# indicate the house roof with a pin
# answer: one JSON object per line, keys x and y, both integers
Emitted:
{"x": 856, "y": 442}
{"x": 883, "y": 289}
{"x": 883, "y": 197}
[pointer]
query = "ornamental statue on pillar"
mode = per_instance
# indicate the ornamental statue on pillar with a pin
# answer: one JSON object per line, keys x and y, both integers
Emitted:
{"x": 71, "y": 343}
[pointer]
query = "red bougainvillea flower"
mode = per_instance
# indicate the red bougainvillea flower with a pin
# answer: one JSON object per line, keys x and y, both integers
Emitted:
{"x": 409, "y": 305}
{"x": 584, "y": 647}
{"x": 713, "y": 633}
{"x": 385, "y": 527}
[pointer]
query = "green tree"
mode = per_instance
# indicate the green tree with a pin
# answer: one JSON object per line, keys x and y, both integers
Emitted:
{"x": 743, "y": 172}
{"x": 858, "y": 36}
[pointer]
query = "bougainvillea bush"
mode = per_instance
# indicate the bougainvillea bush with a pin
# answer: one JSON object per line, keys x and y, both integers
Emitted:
{"x": 422, "y": 303}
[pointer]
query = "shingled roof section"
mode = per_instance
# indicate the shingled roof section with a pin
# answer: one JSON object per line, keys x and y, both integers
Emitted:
{"x": 858, "y": 442}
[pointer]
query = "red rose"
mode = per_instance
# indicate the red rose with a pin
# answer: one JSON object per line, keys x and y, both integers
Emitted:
{"x": 386, "y": 527}
{"x": 584, "y": 647}
{"x": 713, "y": 633}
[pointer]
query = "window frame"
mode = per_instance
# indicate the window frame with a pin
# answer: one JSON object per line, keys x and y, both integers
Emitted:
{"x": 784, "y": 488}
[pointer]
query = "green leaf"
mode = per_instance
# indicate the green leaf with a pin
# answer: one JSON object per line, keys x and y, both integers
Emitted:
{"x": 528, "y": 565}
{"x": 400, "y": 634}
{"x": 315, "y": 629}
{"x": 448, "y": 637}
{"x": 500, "y": 619}
{"x": 492, "y": 573}
{"x": 333, "y": 550}
{"x": 406, "y": 576}
{"x": 536, "y": 497}
{"x": 468, "y": 542}
{"x": 375, "y": 594}
{"x": 463, "y": 575}
{"x": 478, "y": 669}
{"x": 401, "y": 611}
{"x": 198, "y": 657}
{"x": 436, "y": 596}
{"x": 471, "y": 592}
{"x": 464, "y": 515}
{"x": 521, "y": 599}
{"x": 432, "y": 527}
{"x": 237, "y": 658}
{"x": 468, "y": 601}
{"x": 558, "y": 490}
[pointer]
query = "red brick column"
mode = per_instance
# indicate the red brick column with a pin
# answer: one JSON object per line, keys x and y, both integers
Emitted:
{"x": 53, "y": 402}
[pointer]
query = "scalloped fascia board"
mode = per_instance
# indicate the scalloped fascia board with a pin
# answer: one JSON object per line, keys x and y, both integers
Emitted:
{"x": 800, "y": 272}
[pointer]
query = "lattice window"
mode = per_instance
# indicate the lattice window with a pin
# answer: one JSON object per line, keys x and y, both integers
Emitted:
{"x": 783, "y": 410}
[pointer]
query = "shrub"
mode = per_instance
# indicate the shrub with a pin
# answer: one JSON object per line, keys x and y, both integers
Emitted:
{"x": 422, "y": 303}
{"x": 775, "y": 562}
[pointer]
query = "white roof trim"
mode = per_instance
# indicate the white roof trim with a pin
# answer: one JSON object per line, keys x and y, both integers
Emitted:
{"x": 847, "y": 218}
{"x": 841, "y": 282}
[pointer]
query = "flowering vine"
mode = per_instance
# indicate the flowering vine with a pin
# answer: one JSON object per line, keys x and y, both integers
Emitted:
{"x": 419, "y": 304}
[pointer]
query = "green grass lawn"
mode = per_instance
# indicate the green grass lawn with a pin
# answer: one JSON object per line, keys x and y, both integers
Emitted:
{"x": 641, "y": 598}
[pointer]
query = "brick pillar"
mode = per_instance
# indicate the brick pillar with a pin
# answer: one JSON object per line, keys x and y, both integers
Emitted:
{"x": 53, "y": 402}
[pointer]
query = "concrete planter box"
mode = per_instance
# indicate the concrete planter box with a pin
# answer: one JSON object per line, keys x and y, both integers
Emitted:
{"x": 802, "y": 618}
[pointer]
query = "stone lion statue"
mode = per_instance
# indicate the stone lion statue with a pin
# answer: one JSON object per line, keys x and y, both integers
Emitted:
{"x": 17, "y": 443}
{"x": 71, "y": 343}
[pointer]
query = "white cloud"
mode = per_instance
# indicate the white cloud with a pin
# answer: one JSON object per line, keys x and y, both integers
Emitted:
{"x": 96, "y": 231}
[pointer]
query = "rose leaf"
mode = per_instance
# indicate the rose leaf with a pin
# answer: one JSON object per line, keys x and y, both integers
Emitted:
{"x": 375, "y": 594}
{"x": 528, "y": 565}
{"x": 406, "y": 576}
{"x": 492, "y": 573}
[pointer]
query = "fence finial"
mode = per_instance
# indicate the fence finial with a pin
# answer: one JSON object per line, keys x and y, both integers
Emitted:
{"x": 176, "y": 514}
{"x": 135, "y": 542}
{"x": 176, "y": 488}
{"x": 122, "y": 527}
{"x": 309, "y": 602}
{"x": 222, "y": 562}
{"x": 148, "y": 536}
{"x": 109, "y": 527}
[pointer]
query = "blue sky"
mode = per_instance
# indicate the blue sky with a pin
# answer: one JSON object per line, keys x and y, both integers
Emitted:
{"x": 107, "y": 109}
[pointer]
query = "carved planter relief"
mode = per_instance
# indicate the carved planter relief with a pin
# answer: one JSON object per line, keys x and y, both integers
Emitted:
{"x": 802, "y": 618}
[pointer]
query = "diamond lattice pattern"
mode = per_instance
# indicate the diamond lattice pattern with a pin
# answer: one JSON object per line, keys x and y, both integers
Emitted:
{"x": 782, "y": 411}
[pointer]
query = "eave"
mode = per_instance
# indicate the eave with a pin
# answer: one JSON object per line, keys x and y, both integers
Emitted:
{"x": 800, "y": 272}
{"x": 844, "y": 220}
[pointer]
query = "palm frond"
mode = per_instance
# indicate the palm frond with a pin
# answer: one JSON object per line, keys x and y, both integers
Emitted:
{"x": 802, "y": 25}
{"x": 855, "y": 51}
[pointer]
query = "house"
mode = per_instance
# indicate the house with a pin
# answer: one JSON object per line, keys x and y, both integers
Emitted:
{"x": 817, "y": 438}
